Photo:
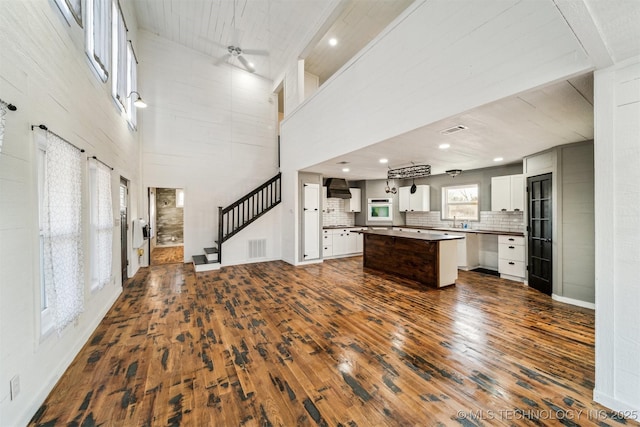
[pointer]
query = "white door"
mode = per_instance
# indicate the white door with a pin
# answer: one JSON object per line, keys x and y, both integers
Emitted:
{"x": 311, "y": 218}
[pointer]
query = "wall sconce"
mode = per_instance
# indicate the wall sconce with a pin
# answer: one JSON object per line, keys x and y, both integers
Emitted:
{"x": 138, "y": 102}
{"x": 454, "y": 172}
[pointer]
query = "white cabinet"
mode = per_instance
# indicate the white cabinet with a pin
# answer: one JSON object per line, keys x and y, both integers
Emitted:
{"x": 468, "y": 250}
{"x": 341, "y": 241}
{"x": 511, "y": 257}
{"x": 416, "y": 202}
{"x": 327, "y": 243}
{"x": 354, "y": 204}
{"x": 507, "y": 193}
{"x": 311, "y": 218}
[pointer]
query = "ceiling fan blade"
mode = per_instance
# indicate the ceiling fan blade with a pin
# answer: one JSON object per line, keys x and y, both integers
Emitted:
{"x": 222, "y": 59}
{"x": 246, "y": 64}
{"x": 258, "y": 52}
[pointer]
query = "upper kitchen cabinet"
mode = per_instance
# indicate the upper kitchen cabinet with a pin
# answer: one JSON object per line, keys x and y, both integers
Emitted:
{"x": 416, "y": 202}
{"x": 354, "y": 204}
{"x": 507, "y": 193}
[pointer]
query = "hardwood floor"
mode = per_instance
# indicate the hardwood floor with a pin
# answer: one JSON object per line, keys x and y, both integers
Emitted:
{"x": 329, "y": 344}
{"x": 167, "y": 255}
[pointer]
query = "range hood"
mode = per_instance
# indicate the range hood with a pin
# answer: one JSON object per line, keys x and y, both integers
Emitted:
{"x": 338, "y": 188}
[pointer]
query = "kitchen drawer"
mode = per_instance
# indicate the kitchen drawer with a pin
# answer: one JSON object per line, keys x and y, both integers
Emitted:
{"x": 511, "y": 268}
{"x": 511, "y": 240}
{"x": 327, "y": 251}
{"x": 511, "y": 252}
{"x": 327, "y": 240}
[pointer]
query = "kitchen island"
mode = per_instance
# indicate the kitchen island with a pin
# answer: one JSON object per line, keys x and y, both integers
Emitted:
{"x": 430, "y": 259}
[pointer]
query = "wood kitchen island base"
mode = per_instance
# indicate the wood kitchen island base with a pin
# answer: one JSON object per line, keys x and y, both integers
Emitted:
{"x": 428, "y": 259}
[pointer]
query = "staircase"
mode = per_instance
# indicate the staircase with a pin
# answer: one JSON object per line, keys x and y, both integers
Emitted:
{"x": 237, "y": 216}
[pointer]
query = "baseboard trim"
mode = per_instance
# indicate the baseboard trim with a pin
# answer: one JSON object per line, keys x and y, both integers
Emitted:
{"x": 572, "y": 301}
{"x": 616, "y": 405}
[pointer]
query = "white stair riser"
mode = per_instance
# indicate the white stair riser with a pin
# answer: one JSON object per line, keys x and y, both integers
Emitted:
{"x": 207, "y": 267}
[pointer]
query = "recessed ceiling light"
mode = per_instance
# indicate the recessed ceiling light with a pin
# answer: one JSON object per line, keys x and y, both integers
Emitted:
{"x": 384, "y": 161}
{"x": 252, "y": 65}
{"x": 333, "y": 41}
{"x": 498, "y": 159}
{"x": 345, "y": 169}
{"x": 444, "y": 146}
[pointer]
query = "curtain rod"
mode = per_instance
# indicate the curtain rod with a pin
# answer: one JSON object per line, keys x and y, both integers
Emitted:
{"x": 98, "y": 160}
{"x": 10, "y": 107}
{"x": 43, "y": 127}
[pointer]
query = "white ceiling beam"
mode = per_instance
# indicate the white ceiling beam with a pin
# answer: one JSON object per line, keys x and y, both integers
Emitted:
{"x": 577, "y": 15}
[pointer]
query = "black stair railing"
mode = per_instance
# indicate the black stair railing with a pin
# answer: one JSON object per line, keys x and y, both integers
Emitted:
{"x": 242, "y": 212}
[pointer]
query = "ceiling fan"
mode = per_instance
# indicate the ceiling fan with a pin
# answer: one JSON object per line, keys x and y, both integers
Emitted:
{"x": 235, "y": 51}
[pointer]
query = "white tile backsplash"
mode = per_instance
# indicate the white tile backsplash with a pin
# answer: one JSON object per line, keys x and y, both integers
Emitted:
{"x": 333, "y": 213}
{"x": 495, "y": 221}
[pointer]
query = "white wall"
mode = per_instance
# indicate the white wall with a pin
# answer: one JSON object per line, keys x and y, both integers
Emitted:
{"x": 617, "y": 156}
{"x": 45, "y": 73}
{"x": 208, "y": 129}
{"x": 475, "y": 55}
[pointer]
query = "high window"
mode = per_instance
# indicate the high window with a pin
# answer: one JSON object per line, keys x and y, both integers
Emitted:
{"x": 98, "y": 35}
{"x": 460, "y": 202}
{"x": 124, "y": 72}
{"x": 70, "y": 9}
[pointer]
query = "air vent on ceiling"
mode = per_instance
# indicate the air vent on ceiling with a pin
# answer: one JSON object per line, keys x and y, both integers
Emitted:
{"x": 453, "y": 129}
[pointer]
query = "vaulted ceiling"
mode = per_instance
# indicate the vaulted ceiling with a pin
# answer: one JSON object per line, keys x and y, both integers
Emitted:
{"x": 275, "y": 33}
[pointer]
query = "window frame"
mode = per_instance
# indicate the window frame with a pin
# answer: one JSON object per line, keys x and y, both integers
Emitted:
{"x": 445, "y": 216}
{"x": 101, "y": 70}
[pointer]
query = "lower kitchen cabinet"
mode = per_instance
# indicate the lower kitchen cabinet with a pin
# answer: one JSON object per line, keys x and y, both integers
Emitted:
{"x": 342, "y": 241}
{"x": 511, "y": 257}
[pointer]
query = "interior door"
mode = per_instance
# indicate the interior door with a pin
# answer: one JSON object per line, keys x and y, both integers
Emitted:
{"x": 311, "y": 211}
{"x": 540, "y": 227}
{"x": 124, "y": 227}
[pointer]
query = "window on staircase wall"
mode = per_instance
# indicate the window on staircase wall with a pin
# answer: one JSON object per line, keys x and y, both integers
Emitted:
{"x": 460, "y": 202}
{"x": 60, "y": 215}
{"x": 101, "y": 223}
{"x": 98, "y": 35}
{"x": 132, "y": 81}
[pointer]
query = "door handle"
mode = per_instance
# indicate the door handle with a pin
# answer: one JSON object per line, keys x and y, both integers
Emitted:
{"x": 547, "y": 240}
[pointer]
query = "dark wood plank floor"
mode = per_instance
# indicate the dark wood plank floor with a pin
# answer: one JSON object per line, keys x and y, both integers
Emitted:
{"x": 329, "y": 344}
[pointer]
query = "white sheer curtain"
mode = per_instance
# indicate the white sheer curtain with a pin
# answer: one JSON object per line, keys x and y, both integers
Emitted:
{"x": 62, "y": 231}
{"x": 3, "y": 113}
{"x": 101, "y": 225}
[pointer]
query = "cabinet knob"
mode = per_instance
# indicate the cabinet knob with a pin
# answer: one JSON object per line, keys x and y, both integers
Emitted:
{"x": 511, "y": 247}
{"x": 516, "y": 210}
{"x": 503, "y": 210}
{"x": 512, "y": 263}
